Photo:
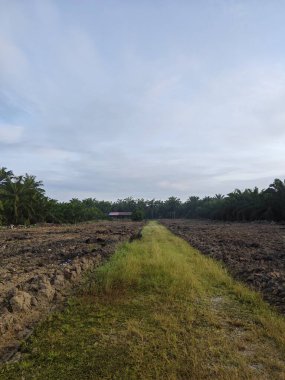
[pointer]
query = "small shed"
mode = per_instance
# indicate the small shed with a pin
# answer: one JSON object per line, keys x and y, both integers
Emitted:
{"x": 120, "y": 214}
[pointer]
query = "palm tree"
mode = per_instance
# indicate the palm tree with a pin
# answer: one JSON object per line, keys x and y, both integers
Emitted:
{"x": 22, "y": 198}
{"x": 172, "y": 206}
{"x": 4, "y": 174}
{"x": 219, "y": 196}
{"x": 12, "y": 195}
{"x": 277, "y": 199}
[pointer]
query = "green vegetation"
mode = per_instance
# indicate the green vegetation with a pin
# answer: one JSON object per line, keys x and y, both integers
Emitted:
{"x": 247, "y": 205}
{"x": 158, "y": 310}
{"x": 138, "y": 215}
{"x": 20, "y": 197}
{"x": 23, "y": 201}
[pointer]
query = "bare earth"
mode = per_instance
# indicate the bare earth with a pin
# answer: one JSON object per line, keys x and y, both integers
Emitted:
{"x": 252, "y": 252}
{"x": 40, "y": 265}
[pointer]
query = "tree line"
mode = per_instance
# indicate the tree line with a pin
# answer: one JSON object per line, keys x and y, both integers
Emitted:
{"x": 23, "y": 201}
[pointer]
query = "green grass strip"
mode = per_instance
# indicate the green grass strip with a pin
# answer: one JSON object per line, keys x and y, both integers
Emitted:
{"x": 157, "y": 310}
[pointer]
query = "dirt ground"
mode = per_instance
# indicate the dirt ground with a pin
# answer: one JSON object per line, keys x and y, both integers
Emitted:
{"x": 40, "y": 265}
{"x": 252, "y": 252}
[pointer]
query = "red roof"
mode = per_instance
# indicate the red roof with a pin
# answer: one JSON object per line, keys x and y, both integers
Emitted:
{"x": 120, "y": 213}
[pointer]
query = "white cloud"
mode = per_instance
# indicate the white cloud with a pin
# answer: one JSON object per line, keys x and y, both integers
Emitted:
{"x": 10, "y": 134}
{"x": 13, "y": 62}
{"x": 56, "y": 155}
{"x": 179, "y": 106}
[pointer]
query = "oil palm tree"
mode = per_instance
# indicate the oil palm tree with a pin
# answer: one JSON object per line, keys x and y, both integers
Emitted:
{"x": 22, "y": 198}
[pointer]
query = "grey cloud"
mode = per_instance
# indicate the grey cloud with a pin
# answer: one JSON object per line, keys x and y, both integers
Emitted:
{"x": 110, "y": 116}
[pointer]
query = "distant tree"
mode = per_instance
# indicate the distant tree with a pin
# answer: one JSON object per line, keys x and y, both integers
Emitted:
{"x": 172, "y": 207}
{"x": 138, "y": 215}
{"x": 21, "y": 197}
{"x": 276, "y": 199}
{"x": 23, "y": 200}
{"x": 4, "y": 174}
{"x": 190, "y": 207}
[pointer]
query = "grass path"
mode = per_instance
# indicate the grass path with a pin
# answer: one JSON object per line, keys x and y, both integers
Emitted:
{"x": 157, "y": 310}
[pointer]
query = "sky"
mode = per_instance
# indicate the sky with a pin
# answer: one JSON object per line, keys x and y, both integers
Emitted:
{"x": 143, "y": 98}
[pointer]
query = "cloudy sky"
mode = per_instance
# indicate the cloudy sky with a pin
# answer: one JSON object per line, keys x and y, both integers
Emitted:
{"x": 143, "y": 98}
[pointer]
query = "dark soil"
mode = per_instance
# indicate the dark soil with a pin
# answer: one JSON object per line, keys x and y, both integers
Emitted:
{"x": 252, "y": 252}
{"x": 40, "y": 265}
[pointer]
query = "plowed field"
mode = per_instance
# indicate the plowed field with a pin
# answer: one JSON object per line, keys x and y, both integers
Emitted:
{"x": 252, "y": 252}
{"x": 39, "y": 265}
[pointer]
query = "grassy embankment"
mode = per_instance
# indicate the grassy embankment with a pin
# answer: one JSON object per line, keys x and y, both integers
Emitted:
{"x": 158, "y": 310}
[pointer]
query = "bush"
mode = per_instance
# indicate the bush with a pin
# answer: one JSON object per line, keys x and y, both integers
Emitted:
{"x": 138, "y": 215}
